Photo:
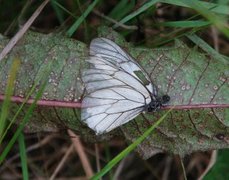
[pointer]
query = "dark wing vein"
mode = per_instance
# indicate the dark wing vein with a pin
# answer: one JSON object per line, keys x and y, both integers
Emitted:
{"x": 130, "y": 85}
{"x": 126, "y": 56}
{"x": 121, "y": 113}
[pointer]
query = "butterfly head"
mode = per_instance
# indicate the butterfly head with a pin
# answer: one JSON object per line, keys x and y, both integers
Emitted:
{"x": 154, "y": 105}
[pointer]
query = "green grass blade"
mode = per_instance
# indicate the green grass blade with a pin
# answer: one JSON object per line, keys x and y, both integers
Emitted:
{"x": 220, "y": 9}
{"x": 17, "y": 113}
{"x": 121, "y": 9}
{"x": 8, "y": 93}
{"x": 219, "y": 21}
{"x": 108, "y": 158}
{"x": 23, "y": 123}
{"x": 43, "y": 79}
{"x": 177, "y": 33}
{"x": 220, "y": 169}
{"x": 206, "y": 47}
{"x": 137, "y": 12}
{"x": 186, "y": 24}
{"x": 75, "y": 26}
{"x": 64, "y": 9}
{"x": 207, "y": 10}
{"x": 58, "y": 11}
{"x": 130, "y": 148}
{"x": 86, "y": 35}
{"x": 22, "y": 149}
{"x": 42, "y": 83}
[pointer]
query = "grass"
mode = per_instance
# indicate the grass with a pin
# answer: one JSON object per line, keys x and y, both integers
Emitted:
{"x": 124, "y": 12}
{"x": 25, "y": 120}
{"x": 137, "y": 12}
{"x": 129, "y": 149}
{"x": 9, "y": 92}
{"x": 202, "y": 44}
{"x": 23, "y": 156}
{"x": 81, "y": 19}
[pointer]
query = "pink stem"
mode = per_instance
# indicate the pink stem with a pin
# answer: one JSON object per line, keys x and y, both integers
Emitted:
{"x": 77, "y": 104}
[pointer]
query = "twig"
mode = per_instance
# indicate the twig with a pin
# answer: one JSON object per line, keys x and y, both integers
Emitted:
{"x": 183, "y": 168}
{"x": 22, "y": 31}
{"x": 215, "y": 37}
{"x": 114, "y": 21}
{"x": 97, "y": 157}
{"x": 83, "y": 157}
{"x": 210, "y": 164}
{"x": 167, "y": 169}
{"x": 61, "y": 163}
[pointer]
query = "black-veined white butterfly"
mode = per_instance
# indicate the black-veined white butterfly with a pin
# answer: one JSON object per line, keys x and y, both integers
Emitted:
{"x": 117, "y": 88}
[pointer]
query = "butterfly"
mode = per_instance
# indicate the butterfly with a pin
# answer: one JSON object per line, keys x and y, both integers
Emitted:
{"x": 117, "y": 88}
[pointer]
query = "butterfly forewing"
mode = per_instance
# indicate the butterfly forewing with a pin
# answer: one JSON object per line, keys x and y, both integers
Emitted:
{"x": 108, "y": 50}
{"x": 117, "y": 88}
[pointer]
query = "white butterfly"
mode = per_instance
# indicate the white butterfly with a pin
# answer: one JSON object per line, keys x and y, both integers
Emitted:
{"x": 117, "y": 88}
